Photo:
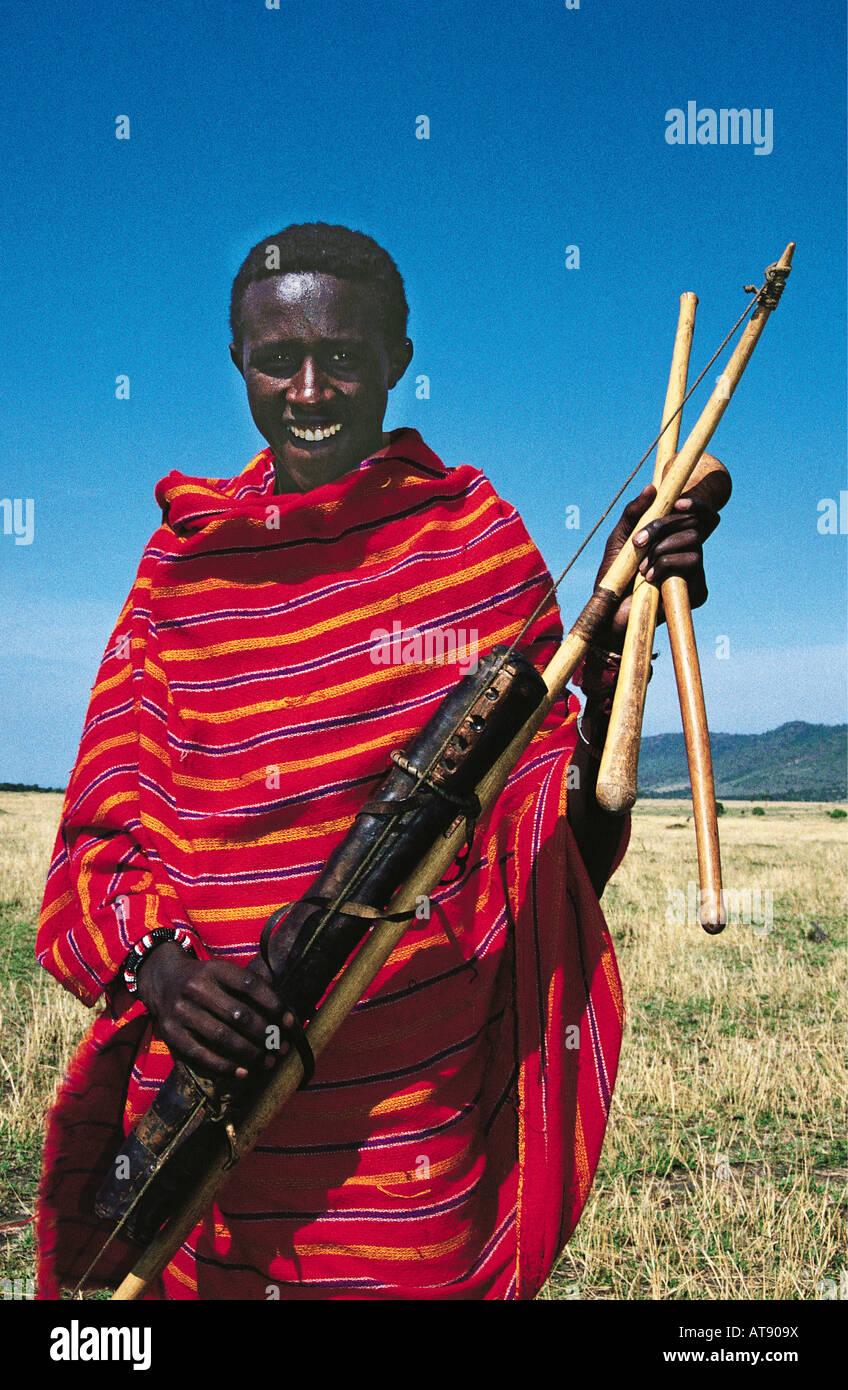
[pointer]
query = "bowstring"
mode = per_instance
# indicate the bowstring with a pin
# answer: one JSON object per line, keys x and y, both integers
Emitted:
{"x": 629, "y": 479}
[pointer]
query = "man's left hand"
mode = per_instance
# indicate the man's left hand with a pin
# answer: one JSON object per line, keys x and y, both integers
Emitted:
{"x": 675, "y": 542}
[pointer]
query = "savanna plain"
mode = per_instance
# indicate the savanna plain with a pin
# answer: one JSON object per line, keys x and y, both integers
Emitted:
{"x": 723, "y": 1173}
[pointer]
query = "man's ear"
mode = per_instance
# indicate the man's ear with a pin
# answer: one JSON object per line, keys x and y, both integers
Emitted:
{"x": 401, "y": 358}
{"x": 237, "y": 356}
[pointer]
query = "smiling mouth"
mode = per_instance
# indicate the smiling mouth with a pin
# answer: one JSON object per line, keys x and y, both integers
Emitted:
{"x": 316, "y": 434}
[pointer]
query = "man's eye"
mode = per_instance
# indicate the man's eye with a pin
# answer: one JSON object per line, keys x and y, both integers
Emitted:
{"x": 278, "y": 364}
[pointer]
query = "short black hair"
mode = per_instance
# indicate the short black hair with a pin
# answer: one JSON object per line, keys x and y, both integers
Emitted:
{"x": 330, "y": 250}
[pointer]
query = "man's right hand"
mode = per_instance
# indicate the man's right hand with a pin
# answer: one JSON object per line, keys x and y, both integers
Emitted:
{"x": 212, "y": 1014}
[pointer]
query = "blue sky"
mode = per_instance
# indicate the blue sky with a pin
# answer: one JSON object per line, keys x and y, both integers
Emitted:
{"x": 547, "y": 130}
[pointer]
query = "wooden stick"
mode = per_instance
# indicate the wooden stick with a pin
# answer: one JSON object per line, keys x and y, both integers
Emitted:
{"x": 617, "y": 776}
{"x": 712, "y": 912}
{"x": 384, "y": 936}
{"x": 616, "y": 787}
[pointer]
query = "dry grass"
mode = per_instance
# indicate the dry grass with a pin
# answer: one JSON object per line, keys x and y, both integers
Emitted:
{"x": 39, "y": 1022}
{"x": 723, "y": 1171}
{"x": 27, "y": 832}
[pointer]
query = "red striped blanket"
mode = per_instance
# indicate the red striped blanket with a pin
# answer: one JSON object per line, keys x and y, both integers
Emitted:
{"x": 246, "y": 706}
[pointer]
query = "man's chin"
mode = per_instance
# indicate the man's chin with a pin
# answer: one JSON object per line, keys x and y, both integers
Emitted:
{"x": 312, "y": 466}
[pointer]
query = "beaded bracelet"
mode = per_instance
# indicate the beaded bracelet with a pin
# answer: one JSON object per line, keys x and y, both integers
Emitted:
{"x": 146, "y": 945}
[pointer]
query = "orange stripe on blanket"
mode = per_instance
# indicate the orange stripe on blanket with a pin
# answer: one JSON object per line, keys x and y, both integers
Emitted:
{"x": 391, "y": 1253}
{"x": 124, "y": 673}
{"x": 188, "y": 1281}
{"x": 105, "y": 746}
{"x": 403, "y": 1102}
{"x": 373, "y": 562}
{"x": 261, "y": 459}
{"x": 581, "y": 1162}
{"x": 370, "y": 611}
{"x": 226, "y": 844}
{"x": 343, "y": 689}
{"x": 94, "y": 933}
{"x": 59, "y": 966}
{"x": 397, "y": 1177}
{"x": 49, "y": 910}
{"x": 284, "y": 769}
{"x": 613, "y": 982}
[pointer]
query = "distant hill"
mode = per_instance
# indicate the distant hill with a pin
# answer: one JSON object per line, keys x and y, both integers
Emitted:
{"x": 25, "y": 787}
{"x": 797, "y": 762}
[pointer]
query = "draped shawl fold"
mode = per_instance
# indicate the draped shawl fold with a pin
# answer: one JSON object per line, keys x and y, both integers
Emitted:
{"x": 245, "y": 708}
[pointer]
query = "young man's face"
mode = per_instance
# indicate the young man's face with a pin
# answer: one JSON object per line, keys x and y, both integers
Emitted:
{"x": 318, "y": 372}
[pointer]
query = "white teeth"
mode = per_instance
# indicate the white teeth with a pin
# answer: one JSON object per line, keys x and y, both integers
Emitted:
{"x": 315, "y": 436}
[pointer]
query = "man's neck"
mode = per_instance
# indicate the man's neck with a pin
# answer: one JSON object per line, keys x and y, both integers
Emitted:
{"x": 285, "y": 483}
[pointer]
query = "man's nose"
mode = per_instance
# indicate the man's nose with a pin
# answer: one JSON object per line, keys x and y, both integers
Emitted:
{"x": 309, "y": 386}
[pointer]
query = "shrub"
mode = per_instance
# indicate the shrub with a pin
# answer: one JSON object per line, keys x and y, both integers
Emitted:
{"x": 837, "y": 814}
{"x": 757, "y": 811}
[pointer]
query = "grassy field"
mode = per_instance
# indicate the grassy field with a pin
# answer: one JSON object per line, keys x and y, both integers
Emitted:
{"x": 723, "y": 1173}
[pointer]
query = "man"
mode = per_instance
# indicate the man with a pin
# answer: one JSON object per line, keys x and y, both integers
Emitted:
{"x": 242, "y": 714}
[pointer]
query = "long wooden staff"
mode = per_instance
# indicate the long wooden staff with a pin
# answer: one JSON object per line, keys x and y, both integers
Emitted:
{"x": 616, "y": 787}
{"x": 617, "y": 775}
{"x": 384, "y": 936}
{"x": 712, "y": 912}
